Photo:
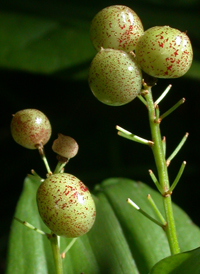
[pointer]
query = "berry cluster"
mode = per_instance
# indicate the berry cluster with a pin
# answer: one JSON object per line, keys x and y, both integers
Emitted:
{"x": 125, "y": 51}
{"x": 64, "y": 202}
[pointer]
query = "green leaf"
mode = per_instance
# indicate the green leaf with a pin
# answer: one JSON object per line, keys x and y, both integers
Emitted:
{"x": 53, "y": 37}
{"x": 42, "y": 45}
{"x": 184, "y": 263}
{"x": 122, "y": 241}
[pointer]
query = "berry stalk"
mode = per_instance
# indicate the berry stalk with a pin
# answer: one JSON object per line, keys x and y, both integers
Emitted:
{"x": 56, "y": 253}
{"x": 163, "y": 178}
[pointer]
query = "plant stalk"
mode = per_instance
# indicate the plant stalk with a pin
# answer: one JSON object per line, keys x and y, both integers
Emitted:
{"x": 160, "y": 161}
{"x": 56, "y": 253}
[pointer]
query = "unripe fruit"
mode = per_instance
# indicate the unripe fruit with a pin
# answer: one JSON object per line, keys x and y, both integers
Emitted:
{"x": 116, "y": 27}
{"x": 65, "y": 146}
{"x": 66, "y": 205}
{"x": 30, "y": 127}
{"x": 114, "y": 77}
{"x": 164, "y": 52}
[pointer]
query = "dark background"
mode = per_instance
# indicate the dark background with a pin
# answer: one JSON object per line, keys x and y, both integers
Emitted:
{"x": 72, "y": 110}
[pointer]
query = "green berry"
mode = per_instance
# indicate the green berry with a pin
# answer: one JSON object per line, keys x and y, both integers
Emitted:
{"x": 114, "y": 77}
{"x": 66, "y": 205}
{"x": 164, "y": 52}
{"x": 30, "y": 127}
{"x": 116, "y": 27}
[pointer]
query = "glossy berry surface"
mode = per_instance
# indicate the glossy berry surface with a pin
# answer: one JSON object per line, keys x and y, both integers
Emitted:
{"x": 66, "y": 205}
{"x": 30, "y": 127}
{"x": 114, "y": 77}
{"x": 164, "y": 52}
{"x": 116, "y": 27}
{"x": 65, "y": 146}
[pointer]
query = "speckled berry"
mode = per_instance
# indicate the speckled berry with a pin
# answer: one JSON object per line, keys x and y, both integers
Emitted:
{"x": 66, "y": 205}
{"x": 116, "y": 27}
{"x": 30, "y": 127}
{"x": 164, "y": 52}
{"x": 114, "y": 77}
{"x": 65, "y": 146}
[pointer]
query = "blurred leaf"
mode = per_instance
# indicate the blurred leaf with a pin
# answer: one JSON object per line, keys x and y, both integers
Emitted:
{"x": 121, "y": 241}
{"x": 194, "y": 71}
{"x": 42, "y": 45}
{"x": 183, "y": 3}
{"x": 52, "y": 37}
{"x": 184, "y": 263}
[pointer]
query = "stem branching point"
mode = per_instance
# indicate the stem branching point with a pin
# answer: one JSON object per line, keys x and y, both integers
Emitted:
{"x": 157, "y": 211}
{"x": 157, "y": 118}
{"x": 142, "y": 99}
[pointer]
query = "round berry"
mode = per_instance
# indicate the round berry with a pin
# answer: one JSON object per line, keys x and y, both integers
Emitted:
{"x": 164, "y": 52}
{"x": 114, "y": 77}
{"x": 30, "y": 127}
{"x": 66, "y": 205}
{"x": 65, "y": 146}
{"x": 116, "y": 27}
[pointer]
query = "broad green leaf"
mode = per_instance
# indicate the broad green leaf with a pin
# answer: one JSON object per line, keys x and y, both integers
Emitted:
{"x": 42, "y": 45}
{"x": 184, "y": 263}
{"x": 121, "y": 241}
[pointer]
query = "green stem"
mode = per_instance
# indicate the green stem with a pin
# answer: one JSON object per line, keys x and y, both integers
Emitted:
{"x": 68, "y": 247}
{"x": 178, "y": 177}
{"x": 163, "y": 95}
{"x": 163, "y": 179}
{"x": 128, "y": 135}
{"x": 175, "y": 152}
{"x": 40, "y": 148}
{"x": 56, "y": 253}
{"x": 59, "y": 167}
{"x": 129, "y": 201}
{"x": 156, "y": 210}
{"x": 180, "y": 102}
{"x": 155, "y": 180}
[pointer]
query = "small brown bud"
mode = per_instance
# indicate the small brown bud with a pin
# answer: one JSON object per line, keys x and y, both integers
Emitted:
{"x": 65, "y": 146}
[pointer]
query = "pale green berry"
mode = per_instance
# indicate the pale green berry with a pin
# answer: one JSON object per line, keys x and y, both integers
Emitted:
{"x": 114, "y": 77}
{"x": 164, "y": 52}
{"x": 66, "y": 205}
{"x": 30, "y": 128}
{"x": 116, "y": 27}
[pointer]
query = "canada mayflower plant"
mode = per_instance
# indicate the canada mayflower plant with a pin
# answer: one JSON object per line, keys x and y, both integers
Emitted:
{"x": 100, "y": 232}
